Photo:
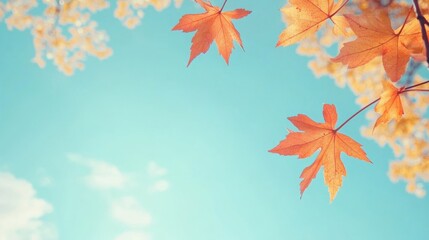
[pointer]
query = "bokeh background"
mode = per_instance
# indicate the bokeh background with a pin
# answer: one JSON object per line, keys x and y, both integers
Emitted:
{"x": 139, "y": 147}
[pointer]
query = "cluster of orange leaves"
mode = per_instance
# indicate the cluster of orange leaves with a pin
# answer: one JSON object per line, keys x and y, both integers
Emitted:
{"x": 376, "y": 44}
{"x": 65, "y": 32}
{"x": 369, "y": 42}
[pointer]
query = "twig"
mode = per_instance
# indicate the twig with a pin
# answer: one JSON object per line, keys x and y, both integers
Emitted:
{"x": 405, "y": 89}
{"x": 415, "y": 90}
{"x": 355, "y": 114}
{"x": 423, "y": 21}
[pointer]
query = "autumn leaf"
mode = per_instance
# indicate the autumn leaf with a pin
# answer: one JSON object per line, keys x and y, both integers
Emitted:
{"x": 390, "y": 104}
{"x": 323, "y": 136}
{"x": 305, "y": 17}
{"x": 375, "y": 37}
{"x": 213, "y": 25}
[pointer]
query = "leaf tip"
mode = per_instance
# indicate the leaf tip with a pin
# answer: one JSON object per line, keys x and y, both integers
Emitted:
{"x": 280, "y": 43}
{"x": 271, "y": 150}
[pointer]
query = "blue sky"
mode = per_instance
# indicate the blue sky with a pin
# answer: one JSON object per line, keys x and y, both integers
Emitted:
{"x": 138, "y": 146}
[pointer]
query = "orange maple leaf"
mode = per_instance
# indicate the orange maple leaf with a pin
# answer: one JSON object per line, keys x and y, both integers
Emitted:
{"x": 305, "y": 17}
{"x": 390, "y": 105}
{"x": 213, "y": 25}
{"x": 375, "y": 37}
{"x": 331, "y": 143}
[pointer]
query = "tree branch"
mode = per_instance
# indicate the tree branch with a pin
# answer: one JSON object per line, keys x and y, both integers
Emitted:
{"x": 423, "y": 21}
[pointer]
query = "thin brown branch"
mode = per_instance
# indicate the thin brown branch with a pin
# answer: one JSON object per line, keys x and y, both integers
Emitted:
{"x": 416, "y": 85}
{"x": 415, "y": 90}
{"x": 423, "y": 21}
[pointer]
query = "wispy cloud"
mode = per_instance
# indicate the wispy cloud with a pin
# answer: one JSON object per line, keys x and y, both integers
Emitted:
{"x": 21, "y": 211}
{"x": 160, "y": 186}
{"x": 128, "y": 211}
{"x": 102, "y": 175}
{"x": 125, "y": 206}
{"x": 154, "y": 170}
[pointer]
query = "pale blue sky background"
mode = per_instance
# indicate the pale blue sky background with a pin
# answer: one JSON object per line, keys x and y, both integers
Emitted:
{"x": 210, "y": 125}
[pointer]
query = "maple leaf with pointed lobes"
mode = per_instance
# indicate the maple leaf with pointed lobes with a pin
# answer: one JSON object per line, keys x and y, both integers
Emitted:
{"x": 213, "y": 25}
{"x": 323, "y": 136}
{"x": 305, "y": 17}
{"x": 390, "y": 105}
{"x": 375, "y": 37}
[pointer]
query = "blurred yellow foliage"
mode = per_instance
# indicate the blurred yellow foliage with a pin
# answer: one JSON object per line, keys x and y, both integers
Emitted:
{"x": 65, "y": 32}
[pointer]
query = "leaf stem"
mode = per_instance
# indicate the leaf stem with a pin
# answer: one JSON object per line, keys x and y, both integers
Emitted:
{"x": 416, "y": 85}
{"x": 223, "y": 5}
{"x": 423, "y": 21}
{"x": 356, "y": 113}
{"x": 407, "y": 89}
{"x": 415, "y": 90}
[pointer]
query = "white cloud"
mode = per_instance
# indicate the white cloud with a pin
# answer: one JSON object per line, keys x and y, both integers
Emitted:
{"x": 103, "y": 175}
{"x": 125, "y": 208}
{"x": 128, "y": 210}
{"x": 21, "y": 211}
{"x": 133, "y": 235}
{"x": 154, "y": 170}
{"x": 160, "y": 186}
